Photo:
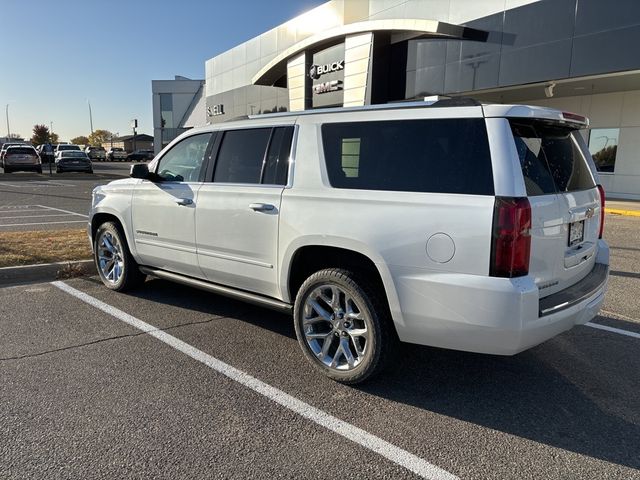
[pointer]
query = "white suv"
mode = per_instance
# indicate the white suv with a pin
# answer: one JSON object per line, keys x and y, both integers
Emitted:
{"x": 457, "y": 225}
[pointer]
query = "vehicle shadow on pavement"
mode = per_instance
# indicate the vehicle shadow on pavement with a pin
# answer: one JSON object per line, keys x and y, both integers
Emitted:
{"x": 176, "y": 295}
{"x": 574, "y": 392}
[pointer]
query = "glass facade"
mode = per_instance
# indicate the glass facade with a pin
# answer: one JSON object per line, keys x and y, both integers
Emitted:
{"x": 537, "y": 42}
{"x": 166, "y": 110}
{"x": 603, "y": 145}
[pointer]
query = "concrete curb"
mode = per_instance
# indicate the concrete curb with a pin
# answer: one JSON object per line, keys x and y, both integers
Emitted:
{"x": 626, "y": 213}
{"x": 45, "y": 272}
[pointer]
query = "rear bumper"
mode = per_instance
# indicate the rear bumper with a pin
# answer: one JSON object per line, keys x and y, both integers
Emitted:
{"x": 74, "y": 168}
{"x": 491, "y": 315}
{"x": 23, "y": 166}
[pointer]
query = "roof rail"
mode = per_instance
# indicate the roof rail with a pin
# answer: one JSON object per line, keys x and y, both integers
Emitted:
{"x": 411, "y": 103}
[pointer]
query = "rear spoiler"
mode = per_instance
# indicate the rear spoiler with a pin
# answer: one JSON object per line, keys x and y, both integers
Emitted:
{"x": 525, "y": 111}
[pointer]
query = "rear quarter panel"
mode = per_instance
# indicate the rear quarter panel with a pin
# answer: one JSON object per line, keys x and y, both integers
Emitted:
{"x": 391, "y": 228}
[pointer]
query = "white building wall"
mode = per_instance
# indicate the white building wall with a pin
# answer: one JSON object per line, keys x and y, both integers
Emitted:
{"x": 611, "y": 110}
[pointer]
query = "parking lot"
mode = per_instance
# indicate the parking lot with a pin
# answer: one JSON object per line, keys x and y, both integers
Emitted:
{"x": 54, "y": 201}
{"x": 171, "y": 382}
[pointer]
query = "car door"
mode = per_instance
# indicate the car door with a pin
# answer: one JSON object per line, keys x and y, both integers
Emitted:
{"x": 163, "y": 210}
{"x": 239, "y": 209}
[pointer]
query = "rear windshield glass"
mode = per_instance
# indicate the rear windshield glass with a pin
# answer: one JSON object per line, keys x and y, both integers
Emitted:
{"x": 68, "y": 147}
{"x": 439, "y": 155}
{"x": 550, "y": 158}
{"x": 21, "y": 151}
{"x": 72, "y": 153}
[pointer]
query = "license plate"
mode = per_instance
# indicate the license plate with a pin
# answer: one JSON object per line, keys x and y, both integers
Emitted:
{"x": 576, "y": 233}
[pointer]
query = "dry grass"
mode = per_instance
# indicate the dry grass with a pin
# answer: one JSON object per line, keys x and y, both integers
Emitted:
{"x": 43, "y": 246}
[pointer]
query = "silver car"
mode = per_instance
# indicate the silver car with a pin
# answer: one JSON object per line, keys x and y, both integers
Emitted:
{"x": 21, "y": 157}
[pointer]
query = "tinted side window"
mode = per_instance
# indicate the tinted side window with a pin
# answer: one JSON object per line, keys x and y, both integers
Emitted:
{"x": 550, "y": 158}
{"x": 442, "y": 156}
{"x": 241, "y": 156}
{"x": 276, "y": 166}
{"x": 184, "y": 162}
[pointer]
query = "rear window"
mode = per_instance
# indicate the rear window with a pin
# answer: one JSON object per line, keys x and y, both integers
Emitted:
{"x": 441, "y": 156}
{"x": 550, "y": 158}
{"x": 72, "y": 153}
{"x": 21, "y": 151}
{"x": 68, "y": 147}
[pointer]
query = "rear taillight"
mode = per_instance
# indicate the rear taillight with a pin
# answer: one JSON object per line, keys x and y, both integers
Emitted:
{"x": 511, "y": 242}
{"x": 601, "y": 192}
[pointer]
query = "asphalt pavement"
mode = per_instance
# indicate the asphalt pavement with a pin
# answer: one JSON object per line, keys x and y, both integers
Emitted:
{"x": 29, "y": 201}
{"x": 171, "y": 382}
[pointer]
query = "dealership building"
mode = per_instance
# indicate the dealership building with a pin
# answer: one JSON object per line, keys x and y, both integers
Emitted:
{"x": 574, "y": 55}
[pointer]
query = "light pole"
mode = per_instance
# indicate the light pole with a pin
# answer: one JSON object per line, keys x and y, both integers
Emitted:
{"x": 8, "y": 129}
{"x": 90, "y": 116}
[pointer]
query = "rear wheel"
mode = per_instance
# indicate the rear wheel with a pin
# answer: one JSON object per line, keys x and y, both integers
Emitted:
{"x": 343, "y": 325}
{"x": 39, "y": 170}
{"x": 116, "y": 267}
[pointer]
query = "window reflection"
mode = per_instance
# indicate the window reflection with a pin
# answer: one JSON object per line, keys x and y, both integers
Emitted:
{"x": 603, "y": 145}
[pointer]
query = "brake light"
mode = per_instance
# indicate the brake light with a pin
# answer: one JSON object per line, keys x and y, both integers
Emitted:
{"x": 574, "y": 117}
{"x": 511, "y": 240}
{"x": 601, "y": 192}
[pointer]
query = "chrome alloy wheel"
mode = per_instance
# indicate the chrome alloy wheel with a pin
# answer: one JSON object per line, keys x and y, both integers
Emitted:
{"x": 110, "y": 257}
{"x": 335, "y": 328}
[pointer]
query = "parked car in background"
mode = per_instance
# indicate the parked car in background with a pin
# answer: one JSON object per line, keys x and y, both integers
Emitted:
{"x": 141, "y": 155}
{"x": 4, "y": 147}
{"x": 21, "y": 157}
{"x": 73, "y": 161}
{"x": 46, "y": 152}
{"x": 62, "y": 147}
{"x": 116, "y": 154}
{"x": 96, "y": 153}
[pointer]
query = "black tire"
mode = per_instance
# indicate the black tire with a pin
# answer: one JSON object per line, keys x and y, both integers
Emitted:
{"x": 131, "y": 276}
{"x": 91, "y": 171}
{"x": 39, "y": 170}
{"x": 58, "y": 170}
{"x": 371, "y": 304}
{"x": 7, "y": 170}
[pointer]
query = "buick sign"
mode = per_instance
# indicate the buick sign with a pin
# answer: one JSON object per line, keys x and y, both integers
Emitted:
{"x": 316, "y": 71}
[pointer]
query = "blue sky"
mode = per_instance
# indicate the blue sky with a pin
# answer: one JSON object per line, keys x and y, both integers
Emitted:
{"x": 57, "y": 55}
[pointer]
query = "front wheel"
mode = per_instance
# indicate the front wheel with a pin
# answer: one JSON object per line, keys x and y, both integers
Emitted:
{"x": 343, "y": 325}
{"x": 114, "y": 262}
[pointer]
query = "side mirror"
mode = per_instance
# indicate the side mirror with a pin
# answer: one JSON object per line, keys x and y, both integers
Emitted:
{"x": 139, "y": 170}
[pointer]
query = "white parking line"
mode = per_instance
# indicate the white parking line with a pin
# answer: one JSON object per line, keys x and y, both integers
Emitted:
{"x": 41, "y": 223}
{"x": 63, "y": 211}
{"x": 367, "y": 440}
{"x": 619, "y": 331}
{"x": 12, "y": 208}
{"x": 3, "y": 212}
{"x": 36, "y": 183}
{"x": 38, "y": 216}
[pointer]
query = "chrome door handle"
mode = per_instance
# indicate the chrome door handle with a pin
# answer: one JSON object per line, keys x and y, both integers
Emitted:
{"x": 262, "y": 207}
{"x": 184, "y": 201}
